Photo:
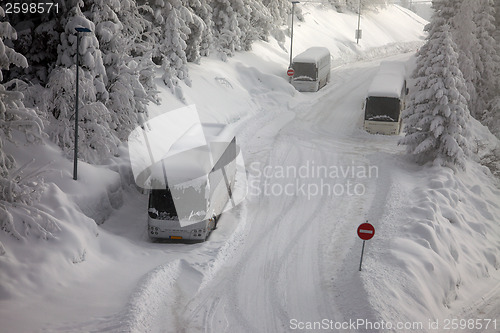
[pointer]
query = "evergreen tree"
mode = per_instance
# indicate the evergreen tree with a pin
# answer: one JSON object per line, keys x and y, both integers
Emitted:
{"x": 437, "y": 115}
{"x": 488, "y": 60}
{"x": 127, "y": 96}
{"x": 200, "y": 38}
{"x": 138, "y": 35}
{"x": 103, "y": 14}
{"x": 175, "y": 32}
{"x": 279, "y": 15}
{"x": 202, "y": 31}
{"x": 151, "y": 12}
{"x": 96, "y": 139}
{"x": 90, "y": 55}
{"x": 13, "y": 113}
{"x": 464, "y": 35}
{"x": 278, "y": 10}
{"x": 492, "y": 116}
{"x": 496, "y": 33}
{"x": 243, "y": 16}
{"x": 226, "y": 28}
{"x": 136, "y": 29}
{"x": 37, "y": 40}
{"x": 260, "y": 20}
{"x": 14, "y": 116}
{"x": 444, "y": 12}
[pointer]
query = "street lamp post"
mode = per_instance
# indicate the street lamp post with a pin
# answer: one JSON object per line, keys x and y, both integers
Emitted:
{"x": 291, "y": 36}
{"x": 75, "y": 157}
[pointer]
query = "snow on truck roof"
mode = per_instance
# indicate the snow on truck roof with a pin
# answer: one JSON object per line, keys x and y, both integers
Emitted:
{"x": 312, "y": 55}
{"x": 389, "y": 80}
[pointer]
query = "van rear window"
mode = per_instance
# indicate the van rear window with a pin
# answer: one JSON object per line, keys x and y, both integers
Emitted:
{"x": 304, "y": 71}
{"x": 382, "y": 109}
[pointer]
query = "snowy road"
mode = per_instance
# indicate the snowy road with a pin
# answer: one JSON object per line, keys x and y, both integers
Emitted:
{"x": 286, "y": 259}
{"x": 298, "y": 260}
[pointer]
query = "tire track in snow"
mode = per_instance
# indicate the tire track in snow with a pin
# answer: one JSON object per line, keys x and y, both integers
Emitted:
{"x": 340, "y": 257}
{"x": 260, "y": 288}
{"x": 229, "y": 284}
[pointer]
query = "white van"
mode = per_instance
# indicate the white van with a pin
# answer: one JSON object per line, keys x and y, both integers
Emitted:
{"x": 312, "y": 69}
{"x": 386, "y": 99}
{"x": 193, "y": 188}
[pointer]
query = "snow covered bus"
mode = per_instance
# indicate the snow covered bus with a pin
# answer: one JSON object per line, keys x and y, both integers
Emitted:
{"x": 386, "y": 99}
{"x": 311, "y": 69}
{"x": 190, "y": 188}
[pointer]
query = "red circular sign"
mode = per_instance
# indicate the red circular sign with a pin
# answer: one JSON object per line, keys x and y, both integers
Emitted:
{"x": 366, "y": 231}
{"x": 290, "y": 72}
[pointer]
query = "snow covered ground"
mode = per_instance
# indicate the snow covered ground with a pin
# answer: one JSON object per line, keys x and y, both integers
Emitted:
{"x": 287, "y": 258}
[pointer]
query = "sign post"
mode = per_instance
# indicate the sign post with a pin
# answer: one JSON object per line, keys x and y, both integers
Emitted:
{"x": 365, "y": 231}
{"x": 291, "y": 36}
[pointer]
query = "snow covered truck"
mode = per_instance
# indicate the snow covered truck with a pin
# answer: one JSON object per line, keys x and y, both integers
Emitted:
{"x": 311, "y": 69}
{"x": 386, "y": 99}
{"x": 190, "y": 188}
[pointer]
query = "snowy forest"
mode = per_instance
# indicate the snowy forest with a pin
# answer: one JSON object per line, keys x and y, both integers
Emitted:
{"x": 457, "y": 77}
{"x": 457, "y": 73}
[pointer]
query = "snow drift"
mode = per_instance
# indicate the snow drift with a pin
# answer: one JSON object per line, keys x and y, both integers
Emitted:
{"x": 437, "y": 231}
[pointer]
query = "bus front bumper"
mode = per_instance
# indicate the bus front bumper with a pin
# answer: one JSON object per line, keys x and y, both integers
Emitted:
{"x": 160, "y": 229}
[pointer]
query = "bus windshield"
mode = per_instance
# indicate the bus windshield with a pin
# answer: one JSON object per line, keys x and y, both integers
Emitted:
{"x": 382, "y": 109}
{"x": 305, "y": 71}
{"x": 161, "y": 205}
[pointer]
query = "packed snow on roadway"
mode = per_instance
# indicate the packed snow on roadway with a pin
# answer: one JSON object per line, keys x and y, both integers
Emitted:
{"x": 287, "y": 258}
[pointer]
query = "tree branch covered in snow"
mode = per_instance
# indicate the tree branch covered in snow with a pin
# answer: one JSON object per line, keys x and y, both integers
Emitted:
{"x": 456, "y": 75}
{"x": 173, "y": 32}
{"x": 16, "y": 187}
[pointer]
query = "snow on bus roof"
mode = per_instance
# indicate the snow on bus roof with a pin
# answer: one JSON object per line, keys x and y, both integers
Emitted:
{"x": 188, "y": 158}
{"x": 186, "y": 166}
{"x": 389, "y": 80}
{"x": 312, "y": 54}
{"x": 200, "y": 134}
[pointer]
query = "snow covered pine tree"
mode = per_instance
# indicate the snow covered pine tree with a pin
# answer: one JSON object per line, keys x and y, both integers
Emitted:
{"x": 97, "y": 140}
{"x": 437, "y": 115}
{"x": 14, "y": 116}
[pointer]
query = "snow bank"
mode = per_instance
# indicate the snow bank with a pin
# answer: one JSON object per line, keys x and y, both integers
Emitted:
{"x": 383, "y": 33}
{"x": 51, "y": 237}
{"x": 147, "y": 304}
{"x": 437, "y": 238}
{"x": 41, "y": 275}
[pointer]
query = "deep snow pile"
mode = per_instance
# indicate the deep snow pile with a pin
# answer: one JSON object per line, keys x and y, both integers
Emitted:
{"x": 438, "y": 244}
{"x": 433, "y": 225}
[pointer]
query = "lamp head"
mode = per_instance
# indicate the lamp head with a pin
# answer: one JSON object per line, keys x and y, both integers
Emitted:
{"x": 82, "y": 29}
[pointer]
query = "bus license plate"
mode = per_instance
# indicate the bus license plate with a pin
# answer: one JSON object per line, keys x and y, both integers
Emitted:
{"x": 175, "y": 237}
